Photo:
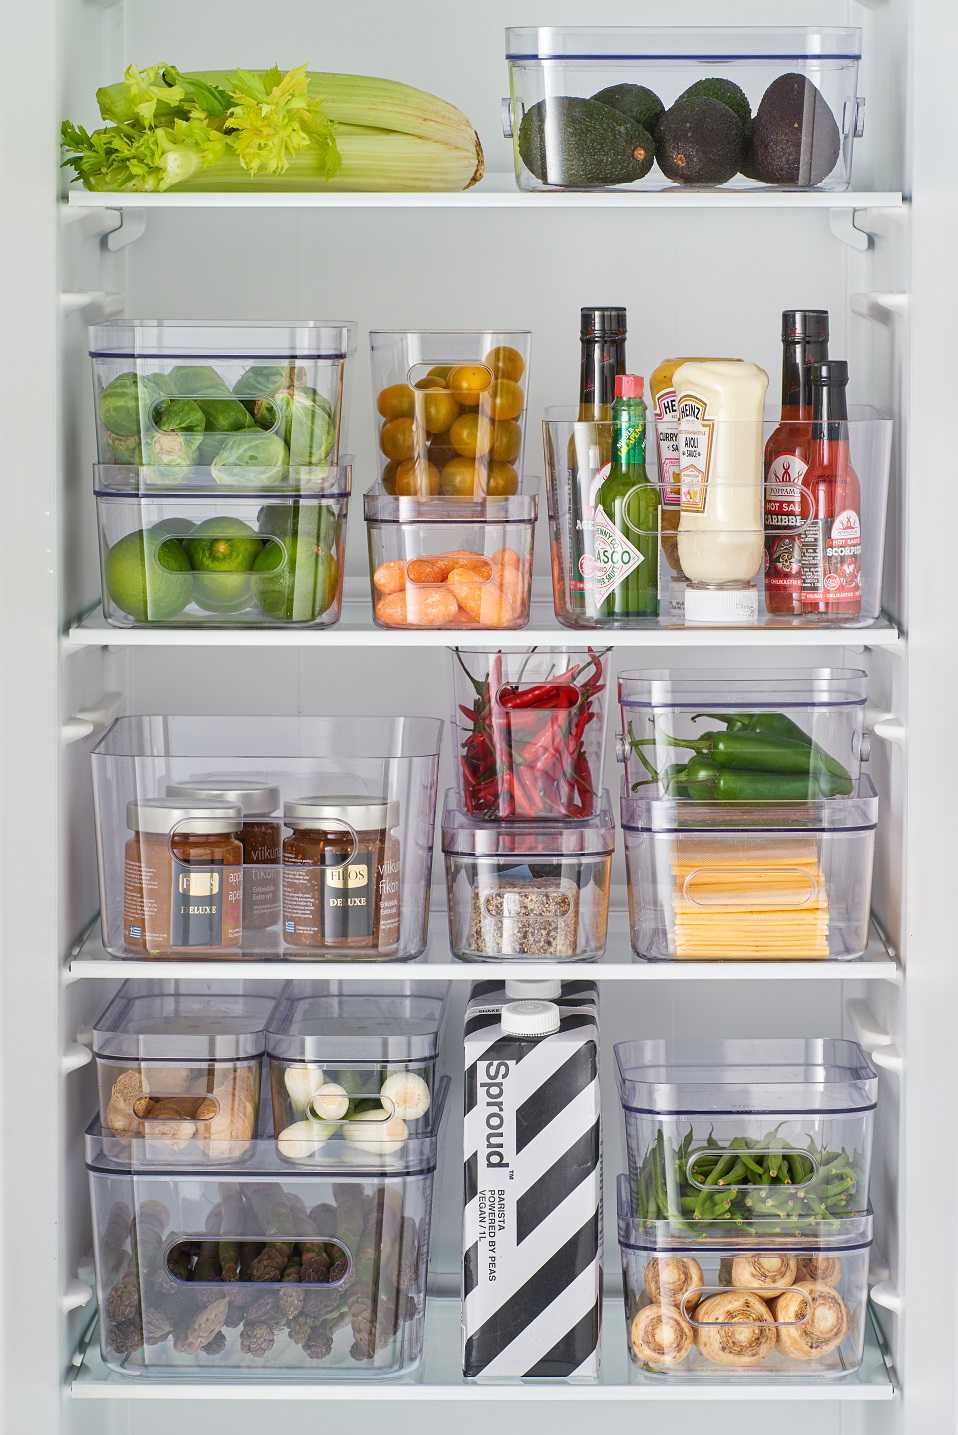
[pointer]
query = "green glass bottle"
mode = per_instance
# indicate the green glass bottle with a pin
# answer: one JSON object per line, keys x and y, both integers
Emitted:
{"x": 626, "y": 536}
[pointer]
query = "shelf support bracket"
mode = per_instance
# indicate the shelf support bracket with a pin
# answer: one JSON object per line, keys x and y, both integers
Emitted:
{"x": 129, "y": 227}
{"x": 843, "y": 226}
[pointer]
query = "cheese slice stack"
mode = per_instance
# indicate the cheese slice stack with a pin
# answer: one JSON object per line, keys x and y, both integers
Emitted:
{"x": 760, "y": 897}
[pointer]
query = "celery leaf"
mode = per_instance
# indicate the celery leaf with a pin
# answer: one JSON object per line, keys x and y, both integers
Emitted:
{"x": 273, "y": 118}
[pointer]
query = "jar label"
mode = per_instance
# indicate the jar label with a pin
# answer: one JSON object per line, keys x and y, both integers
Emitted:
{"x": 695, "y": 452}
{"x": 199, "y": 900}
{"x": 347, "y": 898}
{"x": 612, "y": 561}
{"x": 667, "y": 442}
{"x": 831, "y": 561}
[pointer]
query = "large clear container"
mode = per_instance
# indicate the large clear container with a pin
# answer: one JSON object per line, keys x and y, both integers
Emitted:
{"x": 732, "y": 1130}
{"x": 353, "y": 1074}
{"x": 259, "y": 1268}
{"x": 749, "y": 881}
{"x": 744, "y": 1305}
{"x": 197, "y": 555}
{"x": 450, "y": 563}
{"x": 182, "y": 392}
{"x": 790, "y": 106}
{"x": 362, "y": 851}
{"x": 528, "y": 891}
{"x": 180, "y": 1074}
{"x": 822, "y": 709}
{"x": 450, "y": 411}
{"x": 529, "y": 725}
{"x": 726, "y": 535}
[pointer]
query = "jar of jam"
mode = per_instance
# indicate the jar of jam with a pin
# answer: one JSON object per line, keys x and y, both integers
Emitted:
{"x": 261, "y": 835}
{"x": 341, "y": 874}
{"x": 183, "y": 877}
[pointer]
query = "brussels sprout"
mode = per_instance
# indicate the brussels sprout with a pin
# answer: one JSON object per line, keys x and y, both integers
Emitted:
{"x": 125, "y": 450}
{"x": 178, "y": 426}
{"x": 261, "y": 380}
{"x": 197, "y": 381}
{"x": 305, "y": 420}
{"x": 252, "y": 460}
{"x": 124, "y": 400}
{"x": 295, "y": 580}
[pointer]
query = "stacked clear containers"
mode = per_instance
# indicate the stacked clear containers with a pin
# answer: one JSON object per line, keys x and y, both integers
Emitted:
{"x": 450, "y": 534}
{"x": 221, "y": 484}
{"x": 266, "y": 837}
{"x": 749, "y": 828}
{"x": 719, "y": 530}
{"x": 745, "y": 108}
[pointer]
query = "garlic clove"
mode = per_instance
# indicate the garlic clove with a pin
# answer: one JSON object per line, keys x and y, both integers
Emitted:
{"x": 378, "y": 1132}
{"x": 406, "y": 1094}
{"x": 301, "y": 1081}
{"x": 329, "y": 1102}
{"x": 303, "y": 1139}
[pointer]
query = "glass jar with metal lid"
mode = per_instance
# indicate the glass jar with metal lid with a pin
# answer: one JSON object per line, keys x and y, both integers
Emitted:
{"x": 261, "y": 836}
{"x": 183, "y": 877}
{"x": 341, "y": 874}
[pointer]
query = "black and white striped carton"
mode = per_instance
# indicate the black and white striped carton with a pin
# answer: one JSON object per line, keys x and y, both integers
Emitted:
{"x": 532, "y": 1209}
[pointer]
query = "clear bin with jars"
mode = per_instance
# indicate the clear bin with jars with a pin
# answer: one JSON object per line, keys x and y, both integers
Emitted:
{"x": 229, "y": 837}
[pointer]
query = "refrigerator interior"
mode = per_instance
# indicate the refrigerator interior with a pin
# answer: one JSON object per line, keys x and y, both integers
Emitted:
{"x": 712, "y": 279}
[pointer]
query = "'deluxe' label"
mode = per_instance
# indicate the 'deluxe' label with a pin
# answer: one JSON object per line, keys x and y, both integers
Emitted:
{"x": 695, "y": 451}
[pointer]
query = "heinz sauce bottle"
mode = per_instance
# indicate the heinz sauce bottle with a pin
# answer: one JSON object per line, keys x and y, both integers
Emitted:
{"x": 832, "y": 541}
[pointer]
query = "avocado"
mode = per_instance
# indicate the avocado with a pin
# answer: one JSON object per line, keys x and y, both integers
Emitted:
{"x": 795, "y": 139}
{"x": 640, "y": 104}
{"x": 581, "y": 143}
{"x": 729, "y": 93}
{"x": 700, "y": 141}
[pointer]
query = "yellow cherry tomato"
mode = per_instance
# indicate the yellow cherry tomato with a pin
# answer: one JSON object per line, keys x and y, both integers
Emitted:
{"x": 505, "y": 362}
{"x": 506, "y": 442}
{"x": 468, "y": 381}
{"x": 501, "y": 480}
{"x": 438, "y": 410}
{"x": 460, "y": 478}
{"x": 389, "y": 476}
{"x": 429, "y": 383}
{"x": 471, "y": 435}
{"x": 401, "y": 439}
{"x": 417, "y": 479}
{"x": 439, "y": 371}
{"x": 396, "y": 402}
{"x": 503, "y": 400}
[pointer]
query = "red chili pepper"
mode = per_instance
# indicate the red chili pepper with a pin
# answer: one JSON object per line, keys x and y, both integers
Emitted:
{"x": 544, "y": 695}
{"x": 470, "y": 713}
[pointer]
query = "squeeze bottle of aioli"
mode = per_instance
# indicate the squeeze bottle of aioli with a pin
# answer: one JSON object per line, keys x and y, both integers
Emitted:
{"x": 721, "y": 536}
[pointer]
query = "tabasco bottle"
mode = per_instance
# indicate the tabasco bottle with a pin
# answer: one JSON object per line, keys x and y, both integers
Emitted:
{"x": 831, "y": 549}
{"x": 625, "y": 573}
{"x": 804, "y": 342}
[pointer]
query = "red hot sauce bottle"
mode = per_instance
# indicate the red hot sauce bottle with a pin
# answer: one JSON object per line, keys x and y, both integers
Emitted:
{"x": 832, "y": 541}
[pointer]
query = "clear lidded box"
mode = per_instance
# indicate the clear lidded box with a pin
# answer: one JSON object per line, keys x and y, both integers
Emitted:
{"x": 609, "y": 106}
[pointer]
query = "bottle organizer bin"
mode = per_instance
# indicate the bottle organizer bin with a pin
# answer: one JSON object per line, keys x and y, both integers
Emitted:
{"x": 734, "y": 1130}
{"x": 534, "y": 746}
{"x": 718, "y": 540}
{"x": 200, "y": 555}
{"x": 450, "y": 411}
{"x": 450, "y": 563}
{"x": 338, "y": 867}
{"x": 259, "y": 1267}
{"x": 178, "y": 393}
{"x": 593, "y": 108}
{"x": 761, "y": 1306}
{"x": 528, "y": 890}
{"x": 353, "y": 1073}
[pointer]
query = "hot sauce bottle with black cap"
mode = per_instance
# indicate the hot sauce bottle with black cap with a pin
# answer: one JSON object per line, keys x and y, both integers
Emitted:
{"x": 831, "y": 553}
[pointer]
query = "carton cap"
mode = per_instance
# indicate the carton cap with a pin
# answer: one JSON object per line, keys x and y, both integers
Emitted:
{"x": 542, "y": 990}
{"x": 530, "y": 1018}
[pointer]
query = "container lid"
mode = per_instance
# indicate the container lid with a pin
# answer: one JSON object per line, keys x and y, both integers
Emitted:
{"x": 857, "y": 813}
{"x": 808, "y": 324}
{"x": 721, "y": 605}
{"x": 159, "y": 815}
{"x": 382, "y": 507}
{"x": 316, "y": 486}
{"x": 222, "y": 339}
{"x": 747, "y": 689}
{"x": 357, "y": 810}
{"x": 255, "y": 799}
{"x": 182, "y": 1027}
{"x": 369, "y": 1028}
{"x": 693, "y": 42}
{"x": 530, "y": 1018}
{"x": 537, "y": 841}
{"x": 750, "y": 1076}
{"x": 603, "y": 322}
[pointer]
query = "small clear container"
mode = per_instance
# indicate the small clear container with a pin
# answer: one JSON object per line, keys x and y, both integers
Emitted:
{"x": 450, "y": 563}
{"x": 180, "y": 1074}
{"x": 450, "y": 411}
{"x": 353, "y": 1075}
{"x": 721, "y": 1131}
{"x": 198, "y": 555}
{"x": 534, "y": 747}
{"x": 820, "y": 708}
{"x": 180, "y": 392}
{"x": 726, "y": 548}
{"x": 528, "y": 891}
{"x": 262, "y": 1269}
{"x": 763, "y": 1305}
{"x": 790, "y": 106}
{"x": 748, "y": 881}
{"x": 355, "y": 888}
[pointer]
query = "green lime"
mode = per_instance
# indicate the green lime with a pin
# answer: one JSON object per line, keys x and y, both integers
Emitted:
{"x": 295, "y": 580}
{"x": 148, "y": 576}
{"x": 177, "y": 527}
{"x": 222, "y": 545}
{"x": 222, "y": 592}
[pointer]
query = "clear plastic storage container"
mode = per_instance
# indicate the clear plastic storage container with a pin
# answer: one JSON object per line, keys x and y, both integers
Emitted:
{"x": 756, "y": 1305}
{"x": 726, "y": 539}
{"x": 529, "y": 724}
{"x": 259, "y": 1268}
{"x": 180, "y": 1074}
{"x": 181, "y": 392}
{"x": 353, "y": 1074}
{"x": 591, "y": 107}
{"x": 733, "y": 1130}
{"x": 450, "y": 411}
{"x": 450, "y": 563}
{"x": 179, "y": 555}
{"x": 529, "y": 891}
{"x": 341, "y": 869}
